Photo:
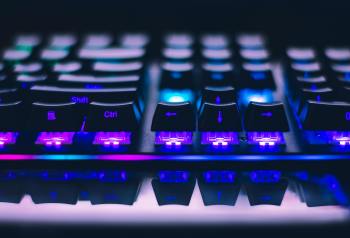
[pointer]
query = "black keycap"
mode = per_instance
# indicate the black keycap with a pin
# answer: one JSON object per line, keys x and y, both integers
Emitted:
{"x": 319, "y": 81}
{"x": 9, "y": 95}
{"x": 266, "y": 187}
{"x": 251, "y": 41}
{"x": 326, "y": 116}
{"x": 97, "y": 41}
{"x": 218, "y": 74}
{"x": 178, "y": 40}
{"x": 215, "y": 41}
{"x": 68, "y": 67}
{"x": 218, "y": 95}
{"x": 28, "y": 68}
{"x": 11, "y": 187}
{"x": 172, "y": 117}
{"x": 301, "y": 54}
{"x": 266, "y": 117}
{"x": 91, "y": 81}
{"x": 54, "y": 117}
{"x": 257, "y": 76}
{"x": 125, "y": 68}
{"x": 177, "y": 189}
{"x": 217, "y": 55}
{"x": 177, "y": 75}
{"x": 321, "y": 190}
{"x": 318, "y": 94}
{"x": 15, "y": 55}
{"x": 219, "y": 188}
{"x": 26, "y": 81}
{"x": 307, "y": 70}
{"x": 53, "y": 55}
{"x": 123, "y": 54}
{"x": 219, "y": 117}
{"x": 177, "y": 55}
{"x": 12, "y": 116}
{"x": 83, "y": 95}
{"x": 113, "y": 117}
{"x": 255, "y": 55}
{"x": 112, "y": 187}
{"x": 266, "y": 193}
{"x": 27, "y": 41}
{"x": 134, "y": 40}
{"x": 341, "y": 72}
{"x": 62, "y": 41}
{"x": 338, "y": 54}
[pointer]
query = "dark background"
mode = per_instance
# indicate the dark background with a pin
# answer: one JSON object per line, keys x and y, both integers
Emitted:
{"x": 314, "y": 21}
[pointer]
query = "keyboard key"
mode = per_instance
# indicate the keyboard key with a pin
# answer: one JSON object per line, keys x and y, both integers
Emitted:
{"x": 218, "y": 74}
{"x": 28, "y": 68}
{"x": 218, "y": 95}
{"x": 338, "y": 54}
{"x": 67, "y": 67}
{"x": 51, "y": 117}
{"x": 316, "y": 116}
{"x": 177, "y": 75}
{"x": 83, "y": 95}
{"x": 97, "y": 41}
{"x": 175, "y": 54}
{"x": 111, "y": 54}
{"x": 301, "y": 54}
{"x": 319, "y": 94}
{"x": 170, "y": 117}
{"x": 319, "y": 81}
{"x": 134, "y": 40}
{"x": 50, "y": 55}
{"x": 219, "y": 187}
{"x": 113, "y": 117}
{"x": 266, "y": 117}
{"x": 255, "y": 55}
{"x": 266, "y": 187}
{"x": 119, "y": 68}
{"x": 90, "y": 81}
{"x": 178, "y": 40}
{"x": 62, "y": 41}
{"x": 222, "y": 55}
{"x": 173, "y": 187}
{"x": 215, "y": 41}
{"x": 307, "y": 70}
{"x": 251, "y": 41}
{"x": 9, "y": 95}
{"x": 12, "y": 116}
{"x": 219, "y": 117}
{"x": 14, "y": 55}
{"x": 27, "y": 41}
{"x": 257, "y": 76}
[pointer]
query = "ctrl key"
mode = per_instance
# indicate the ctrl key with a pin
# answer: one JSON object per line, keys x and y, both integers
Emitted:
{"x": 173, "y": 187}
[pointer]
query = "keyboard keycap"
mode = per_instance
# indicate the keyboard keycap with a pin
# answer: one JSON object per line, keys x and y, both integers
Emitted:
{"x": 118, "y": 68}
{"x": 218, "y": 95}
{"x": 113, "y": 117}
{"x": 177, "y": 75}
{"x": 219, "y": 117}
{"x": 111, "y": 54}
{"x": 50, "y": 117}
{"x": 301, "y": 54}
{"x": 171, "y": 117}
{"x": 257, "y": 76}
{"x": 178, "y": 40}
{"x": 215, "y": 41}
{"x": 266, "y": 117}
{"x": 316, "y": 116}
{"x": 13, "y": 55}
{"x": 218, "y": 74}
{"x": 90, "y": 81}
{"x": 134, "y": 40}
{"x": 217, "y": 55}
{"x": 12, "y": 116}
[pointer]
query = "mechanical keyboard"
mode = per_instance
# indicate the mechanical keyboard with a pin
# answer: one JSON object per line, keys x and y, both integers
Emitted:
{"x": 201, "y": 119}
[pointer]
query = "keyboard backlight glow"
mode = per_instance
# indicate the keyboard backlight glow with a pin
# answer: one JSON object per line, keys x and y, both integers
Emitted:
{"x": 265, "y": 138}
{"x": 55, "y": 138}
{"x": 170, "y": 138}
{"x": 112, "y": 138}
{"x": 219, "y": 138}
{"x": 7, "y": 138}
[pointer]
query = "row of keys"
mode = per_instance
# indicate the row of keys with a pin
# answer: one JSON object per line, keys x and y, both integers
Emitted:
{"x": 217, "y": 187}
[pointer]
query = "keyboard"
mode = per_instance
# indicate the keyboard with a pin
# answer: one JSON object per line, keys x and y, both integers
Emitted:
{"x": 178, "y": 119}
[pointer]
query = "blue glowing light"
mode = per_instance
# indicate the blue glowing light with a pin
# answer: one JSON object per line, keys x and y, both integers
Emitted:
{"x": 265, "y": 176}
{"x": 217, "y": 76}
{"x": 167, "y": 176}
{"x": 249, "y": 95}
{"x": 258, "y": 76}
{"x": 219, "y": 176}
{"x": 176, "y": 96}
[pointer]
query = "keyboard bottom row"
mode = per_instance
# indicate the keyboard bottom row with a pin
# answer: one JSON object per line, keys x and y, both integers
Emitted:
{"x": 173, "y": 187}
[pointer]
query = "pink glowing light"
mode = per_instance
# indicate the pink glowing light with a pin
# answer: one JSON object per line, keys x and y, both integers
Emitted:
{"x": 55, "y": 138}
{"x": 112, "y": 138}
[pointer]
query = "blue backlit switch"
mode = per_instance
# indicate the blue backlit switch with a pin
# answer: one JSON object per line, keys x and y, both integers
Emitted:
{"x": 219, "y": 187}
{"x": 265, "y": 187}
{"x": 173, "y": 187}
